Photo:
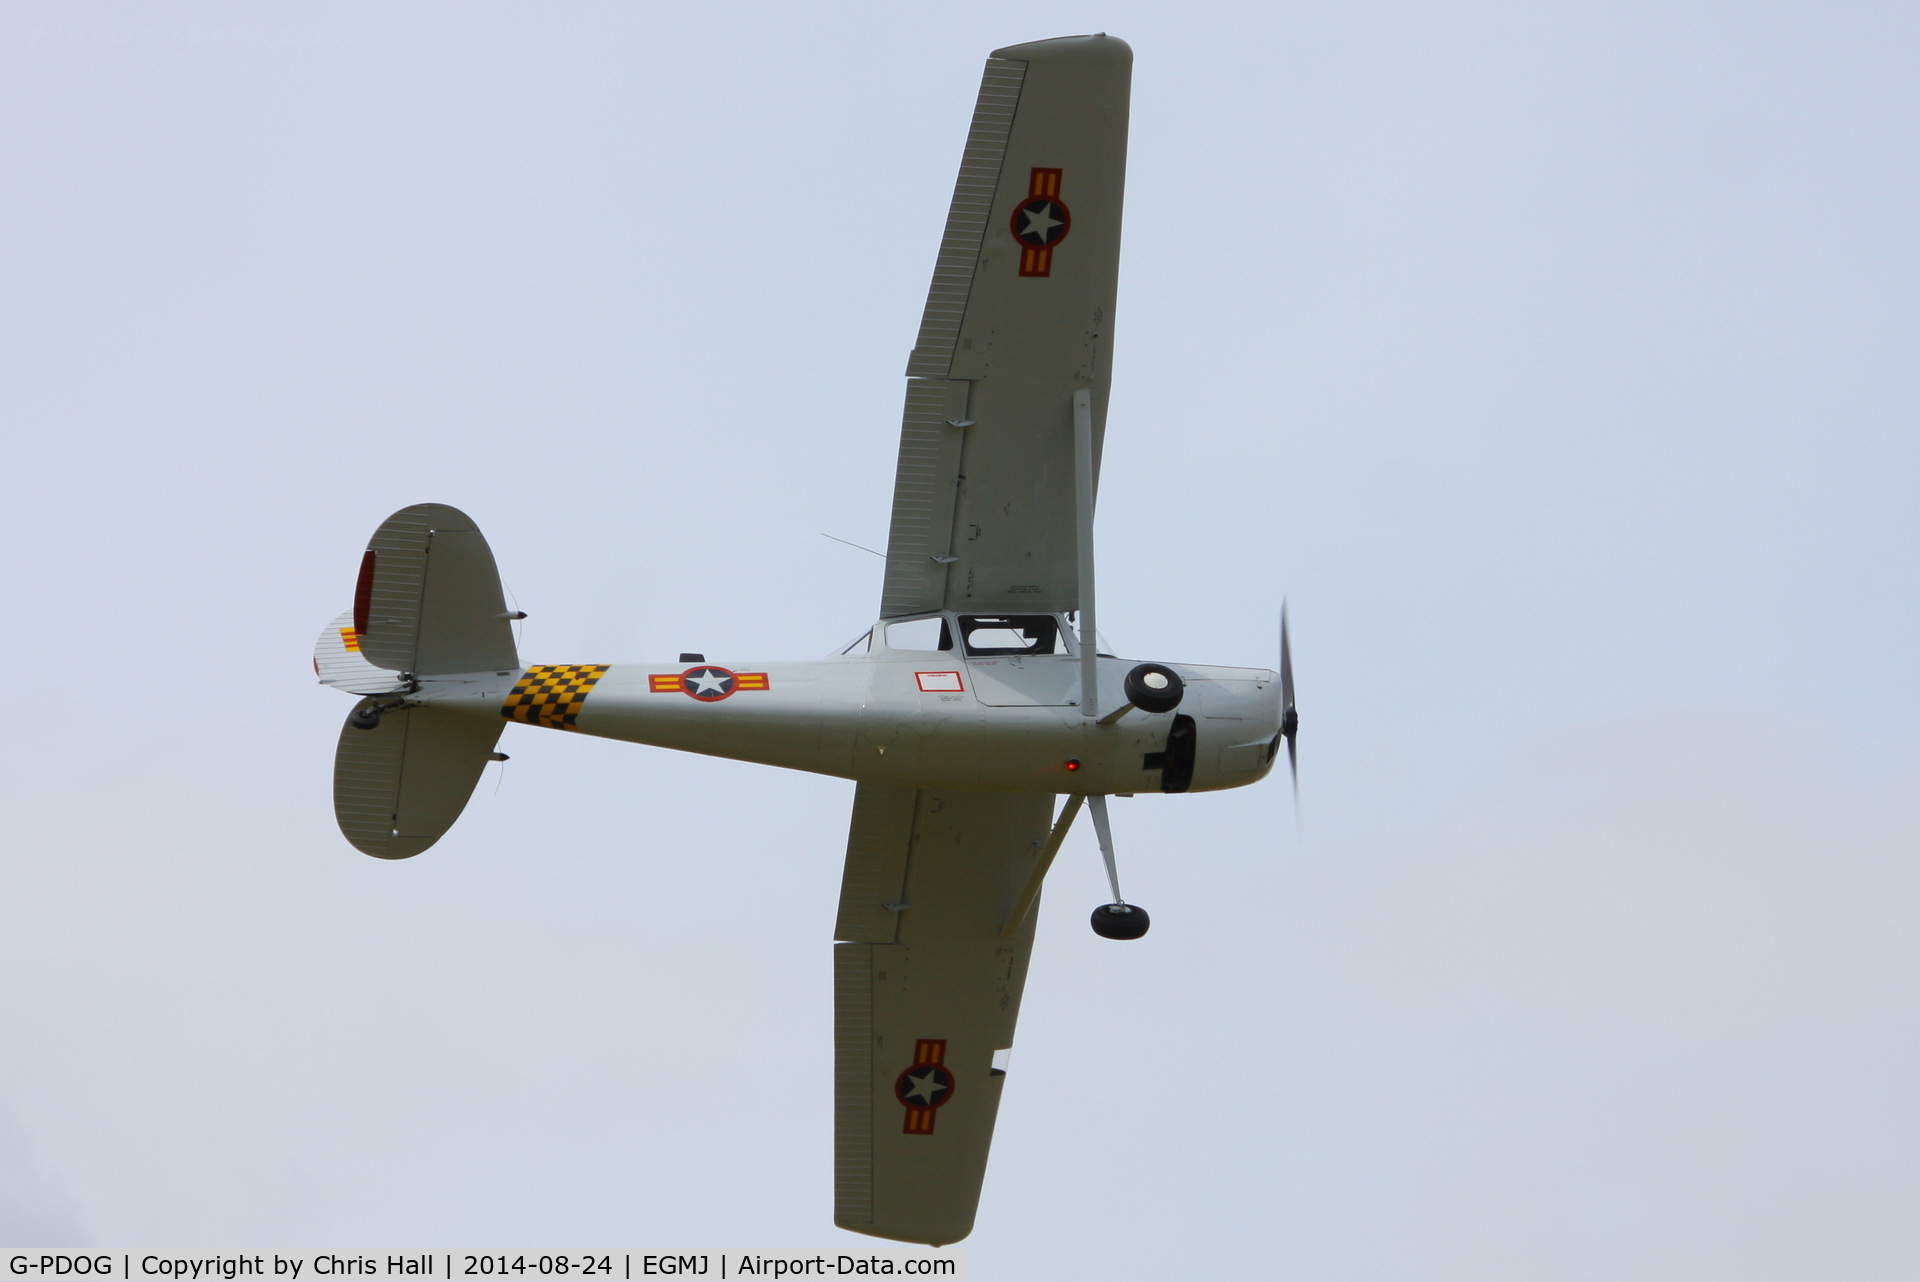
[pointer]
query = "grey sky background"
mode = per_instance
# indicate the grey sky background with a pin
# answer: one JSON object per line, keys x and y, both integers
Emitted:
{"x": 1558, "y": 361}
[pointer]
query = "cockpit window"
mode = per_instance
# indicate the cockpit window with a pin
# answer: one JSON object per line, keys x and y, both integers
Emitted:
{"x": 986, "y": 634}
{"x": 919, "y": 634}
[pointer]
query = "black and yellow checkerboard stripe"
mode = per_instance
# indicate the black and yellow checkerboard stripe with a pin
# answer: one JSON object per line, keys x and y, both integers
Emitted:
{"x": 551, "y": 694}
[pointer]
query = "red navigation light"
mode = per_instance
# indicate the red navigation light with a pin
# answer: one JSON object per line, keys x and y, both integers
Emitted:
{"x": 1073, "y": 763}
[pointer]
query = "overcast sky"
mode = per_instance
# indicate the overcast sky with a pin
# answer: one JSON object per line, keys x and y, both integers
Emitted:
{"x": 1557, "y": 361}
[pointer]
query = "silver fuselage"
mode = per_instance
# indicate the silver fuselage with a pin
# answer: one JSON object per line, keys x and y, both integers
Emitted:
{"x": 930, "y": 718}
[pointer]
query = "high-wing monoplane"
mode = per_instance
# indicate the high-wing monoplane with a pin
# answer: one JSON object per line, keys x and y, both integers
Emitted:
{"x": 976, "y": 700}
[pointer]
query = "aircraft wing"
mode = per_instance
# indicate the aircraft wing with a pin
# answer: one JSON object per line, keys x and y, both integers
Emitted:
{"x": 1019, "y": 316}
{"x": 925, "y": 992}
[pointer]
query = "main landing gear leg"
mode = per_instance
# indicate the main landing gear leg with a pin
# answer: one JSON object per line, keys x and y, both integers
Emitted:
{"x": 1119, "y": 919}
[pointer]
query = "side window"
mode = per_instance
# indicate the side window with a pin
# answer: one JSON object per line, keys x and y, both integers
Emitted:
{"x": 919, "y": 634}
{"x": 1011, "y": 634}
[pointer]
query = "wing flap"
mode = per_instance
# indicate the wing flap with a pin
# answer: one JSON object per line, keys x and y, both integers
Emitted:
{"x": 873, "y": 885}
{"x": 925, "y": 490}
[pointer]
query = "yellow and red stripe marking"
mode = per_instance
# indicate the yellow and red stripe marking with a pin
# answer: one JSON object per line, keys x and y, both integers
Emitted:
{"x": 349, "y": 639}
{"x": 704, "y": 681}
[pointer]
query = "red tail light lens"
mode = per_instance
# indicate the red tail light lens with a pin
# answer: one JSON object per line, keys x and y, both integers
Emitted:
{"x": 363, "y": 594}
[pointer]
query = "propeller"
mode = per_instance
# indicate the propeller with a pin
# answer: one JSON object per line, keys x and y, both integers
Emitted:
{"x": 1289, "y": 715}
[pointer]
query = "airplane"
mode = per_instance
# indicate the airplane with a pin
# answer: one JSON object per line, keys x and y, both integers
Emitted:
{"x": 977, "y": 698}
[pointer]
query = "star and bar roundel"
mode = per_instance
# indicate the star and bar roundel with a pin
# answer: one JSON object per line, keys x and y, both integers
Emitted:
{"x": 1040, "y": 222}
{"x": 925, "y": 1085}
{"x": 708, "y": 683}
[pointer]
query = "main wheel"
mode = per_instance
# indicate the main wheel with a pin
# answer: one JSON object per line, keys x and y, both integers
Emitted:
{"x": 1120, "y": 921}
{"x": 1154, "y": 687}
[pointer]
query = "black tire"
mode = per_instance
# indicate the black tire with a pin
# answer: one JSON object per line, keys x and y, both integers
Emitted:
{"x": 1154, "y": 687}
{"x": 367, "y": 718}
{"x": 1120, "y": 921}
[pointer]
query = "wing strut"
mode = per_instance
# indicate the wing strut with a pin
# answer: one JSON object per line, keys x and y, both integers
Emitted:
{"x": 1083, "y": 514}
{"x": 1031, "y": 891}
{"x": 1098, "y": 805}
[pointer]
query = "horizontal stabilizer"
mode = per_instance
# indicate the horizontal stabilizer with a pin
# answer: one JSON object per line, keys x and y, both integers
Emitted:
{"x": 399, "y": 786}
{"x": 429, "y": 600}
